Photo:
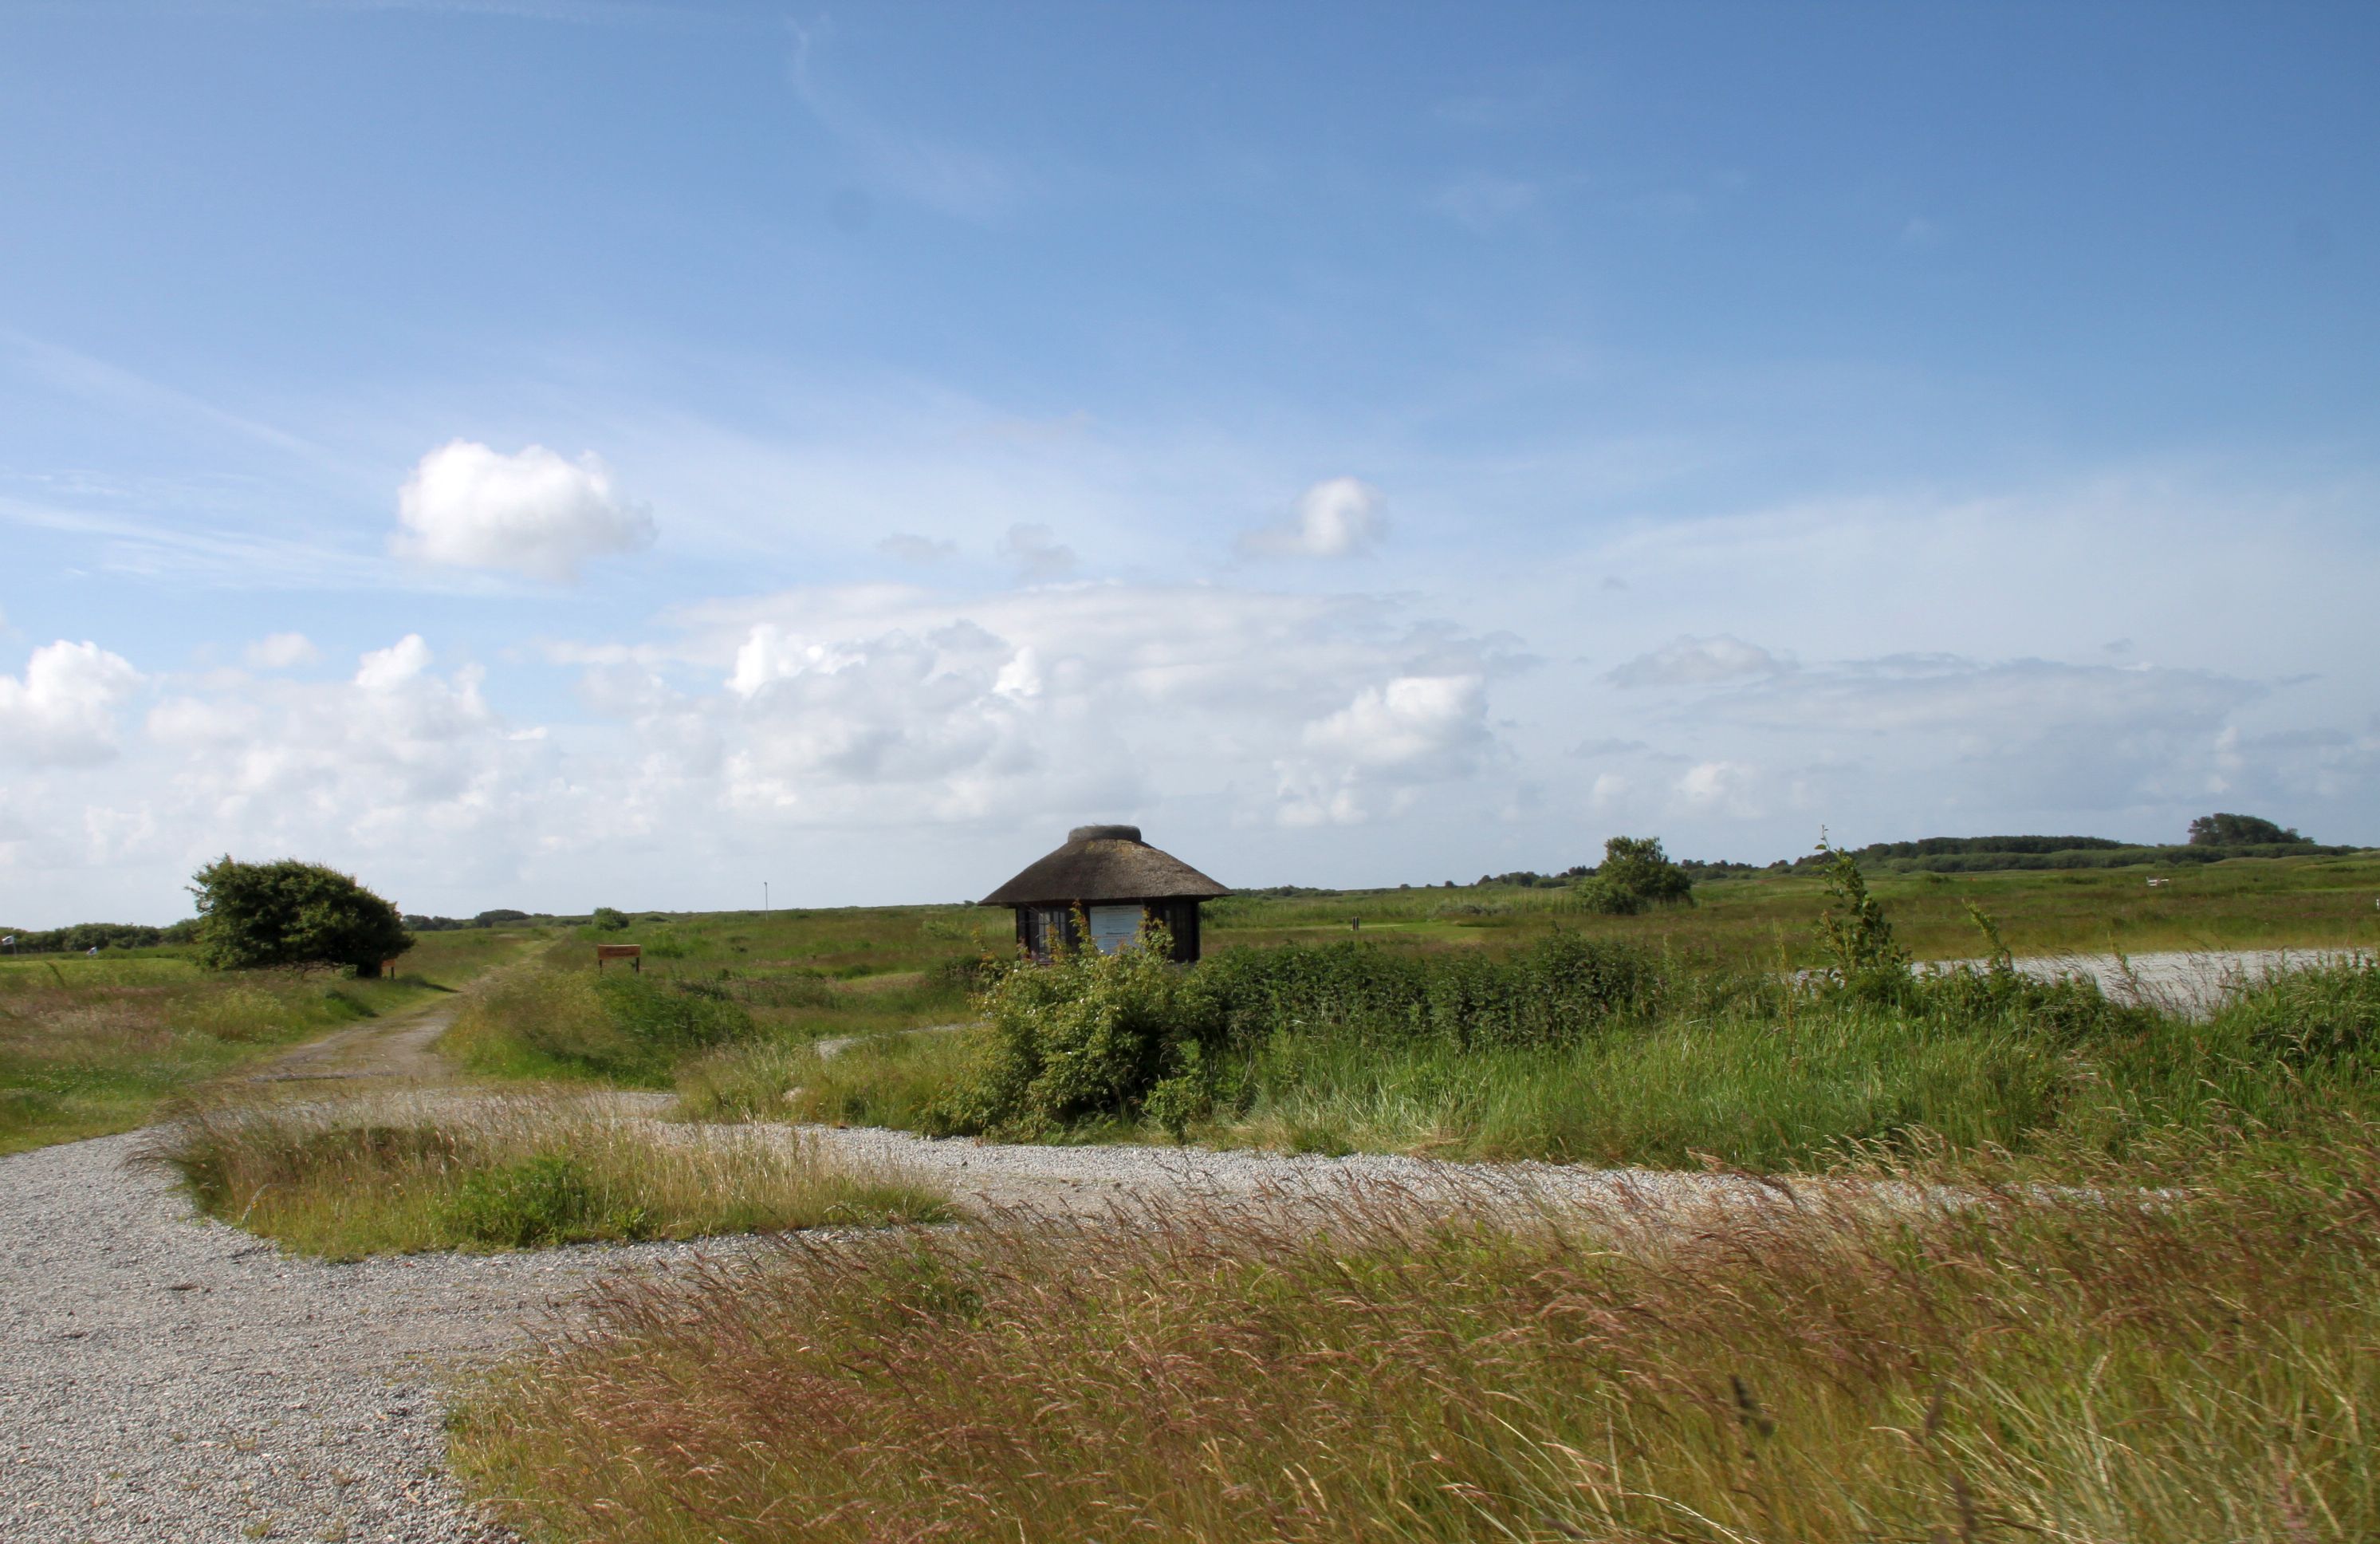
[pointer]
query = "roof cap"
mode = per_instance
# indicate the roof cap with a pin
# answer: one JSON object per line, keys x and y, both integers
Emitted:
{"x": 1104, "y": 863}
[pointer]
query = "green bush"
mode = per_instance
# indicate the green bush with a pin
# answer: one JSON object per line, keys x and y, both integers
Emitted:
{"x": 1086, "y": 1035}
{"x": 1605, "y": 897}
{"x": 1560, "y": 988}
{"x": 1092, "y": 1037}
{"x": 1636, "y": 874}
{"x": 1863, "y": 957}
{"x": 253, "y": 915}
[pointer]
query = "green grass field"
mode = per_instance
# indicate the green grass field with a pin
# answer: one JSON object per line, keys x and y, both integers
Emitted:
{"x": 1761, "y": 919}
{"x": 1723, "y": 1067}
{"x": 90, "y": 1046}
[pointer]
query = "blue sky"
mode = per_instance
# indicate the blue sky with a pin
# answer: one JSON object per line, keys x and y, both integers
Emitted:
{"x": 548, "y": 454}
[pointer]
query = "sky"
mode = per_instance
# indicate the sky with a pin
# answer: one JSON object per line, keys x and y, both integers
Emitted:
{"x": 545, "y": 454}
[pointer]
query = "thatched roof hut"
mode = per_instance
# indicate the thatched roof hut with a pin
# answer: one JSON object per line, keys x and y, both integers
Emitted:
{"x": 1119, "y": 883}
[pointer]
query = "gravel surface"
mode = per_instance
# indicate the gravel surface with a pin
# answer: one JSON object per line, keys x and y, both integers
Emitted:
{"x": 2190, "y": 983}
{"x": 167, "y": 1378}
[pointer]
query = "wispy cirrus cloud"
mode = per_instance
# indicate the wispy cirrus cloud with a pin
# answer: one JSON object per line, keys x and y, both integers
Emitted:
{"x": 958, "y": 180}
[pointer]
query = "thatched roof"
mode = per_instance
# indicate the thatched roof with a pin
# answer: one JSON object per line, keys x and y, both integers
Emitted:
{"x": 1104, "y": 863}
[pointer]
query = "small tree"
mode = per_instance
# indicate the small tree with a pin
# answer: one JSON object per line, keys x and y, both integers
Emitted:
{"x": 1636, "y": 874}
{"x": 2237, "y": 831}
{"x": 253, "y": 915}
{"x": 1864, "y": 957}
{"x": 609, "y": 919}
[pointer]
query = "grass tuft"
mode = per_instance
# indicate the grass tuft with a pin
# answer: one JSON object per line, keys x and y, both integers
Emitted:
{"x": 466, "y": 1173}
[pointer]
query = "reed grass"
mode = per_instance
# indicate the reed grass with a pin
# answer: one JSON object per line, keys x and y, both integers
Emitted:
{"x": 1393, "y": 1365}
{"x": 457, "y": 1172}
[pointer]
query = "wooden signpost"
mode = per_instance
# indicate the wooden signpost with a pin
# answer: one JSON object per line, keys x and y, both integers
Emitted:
{"x": 632, "y": 953}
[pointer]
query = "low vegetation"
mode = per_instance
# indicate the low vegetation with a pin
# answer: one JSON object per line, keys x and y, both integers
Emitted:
{"x": 1587, "y": 1039}
{"x": 764, "y": 987}
{"x": 1665, "y": 1071}
{"x": 90, "y": 1046}
{"x": 460, "y": 1172}
{"x": 2002, "y": 1368}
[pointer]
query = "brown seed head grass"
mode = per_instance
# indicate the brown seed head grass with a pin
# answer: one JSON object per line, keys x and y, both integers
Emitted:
{"x": 1813, "y": 1364}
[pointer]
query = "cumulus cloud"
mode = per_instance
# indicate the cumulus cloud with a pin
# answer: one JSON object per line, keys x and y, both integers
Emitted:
{"x": 1726, "y": 787}
{"x": 282, "y": 651}
{"x": 1389, "y": 739}
{"x": 1338, "y": 517}
{"x": 1698, "y": 662}
{"x": 395, "y": 756}
{"x": 62, "y": 712}
{"x": 384, "y": 670}
{"x": 1416, "y": 721}
{"x": 533, "y": 512}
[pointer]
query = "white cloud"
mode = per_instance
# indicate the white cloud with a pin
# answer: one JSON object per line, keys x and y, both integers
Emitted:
{"x": 1698, "y": 662}
{"x": 532, "y": 513}
{"x": 1723, "y": 787}
{"x": 1416, "y": 721}
{"x": 384, "y": 670}
{"x": 1337, "y": 518}
{"x": 282, "y": 651}
{"x": 399, "y": 772}
{"x": 63, "y": 712}
{"x": 1413, "y": 730}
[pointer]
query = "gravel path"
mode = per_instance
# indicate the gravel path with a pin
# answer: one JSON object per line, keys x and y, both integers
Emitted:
{"x": 167, "y": 1378}
{"x": 2192, "y": 983}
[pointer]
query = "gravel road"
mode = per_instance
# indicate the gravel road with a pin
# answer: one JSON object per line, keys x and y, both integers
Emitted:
{"x": 167, "y": 1378}
{"x": 2190, "y": 983}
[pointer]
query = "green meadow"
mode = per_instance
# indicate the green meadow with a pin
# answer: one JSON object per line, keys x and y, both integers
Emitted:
{"x": 91, "y": 1045}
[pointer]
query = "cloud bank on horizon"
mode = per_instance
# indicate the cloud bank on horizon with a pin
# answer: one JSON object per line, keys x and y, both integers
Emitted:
{"x": 918, "y": 473}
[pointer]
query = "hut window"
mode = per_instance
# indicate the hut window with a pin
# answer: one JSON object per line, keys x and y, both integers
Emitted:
{"x": 1114, "y": 928}
{"x": 1052, "y": 927}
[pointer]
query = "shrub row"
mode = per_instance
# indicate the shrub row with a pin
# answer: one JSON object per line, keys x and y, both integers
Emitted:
{"x": 1548, "y": 994}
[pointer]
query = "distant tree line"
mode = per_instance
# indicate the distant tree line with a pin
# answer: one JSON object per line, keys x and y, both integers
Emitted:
{"x": 82, "y": 937}
{"x": 2213, "y": 839}
{"x": 455, "y": 924}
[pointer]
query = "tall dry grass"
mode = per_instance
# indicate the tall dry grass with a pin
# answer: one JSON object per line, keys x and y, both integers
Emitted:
{"x": 467, "y": 1171}
{"x": 2194, "y": 1368}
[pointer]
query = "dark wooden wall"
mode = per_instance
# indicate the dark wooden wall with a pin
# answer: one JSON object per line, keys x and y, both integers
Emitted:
{"x": 1038, "y": 928}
